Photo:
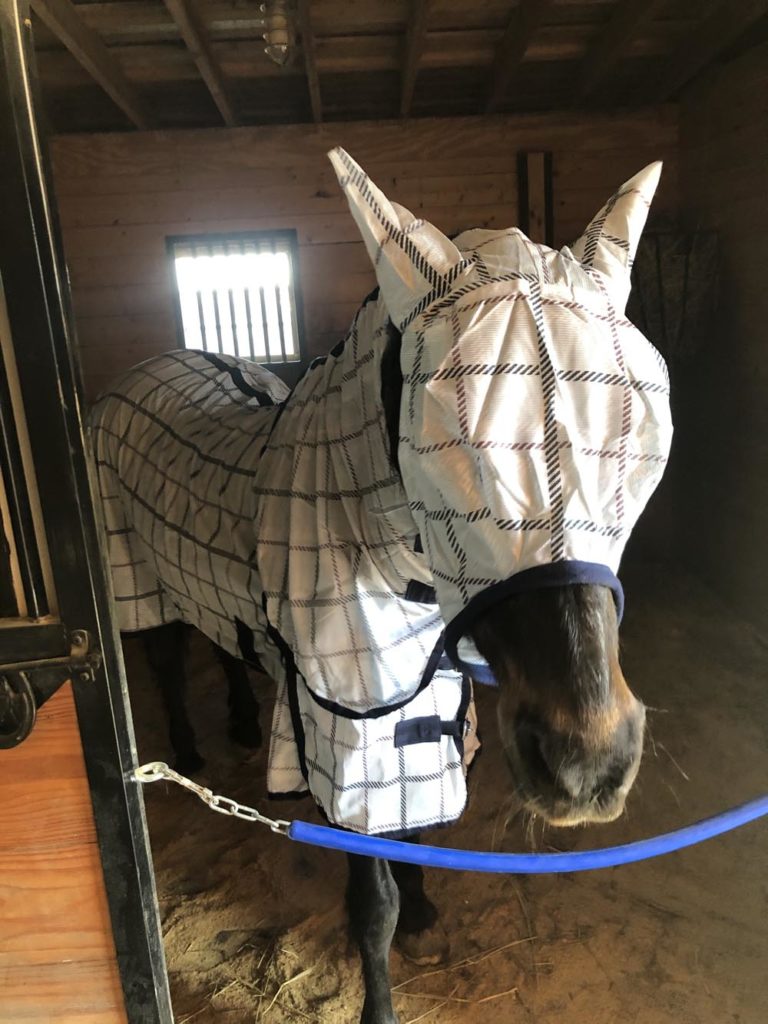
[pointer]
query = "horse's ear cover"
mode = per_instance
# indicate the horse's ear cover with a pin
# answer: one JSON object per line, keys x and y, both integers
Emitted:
{"x": 610, "y": 240}
{"x": 411, "y": 257}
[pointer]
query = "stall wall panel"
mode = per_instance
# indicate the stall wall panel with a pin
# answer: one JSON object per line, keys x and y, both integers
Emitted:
{"x": 57, "y": 956}
{"x": 724, "y": 415}
{"x": 121, "y": 195}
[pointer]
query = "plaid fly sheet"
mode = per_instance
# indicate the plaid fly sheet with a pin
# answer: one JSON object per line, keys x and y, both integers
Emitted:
{"x": 534, "y": 425}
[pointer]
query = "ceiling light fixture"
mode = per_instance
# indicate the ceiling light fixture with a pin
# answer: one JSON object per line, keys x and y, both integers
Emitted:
{"x": 280, "y": 34}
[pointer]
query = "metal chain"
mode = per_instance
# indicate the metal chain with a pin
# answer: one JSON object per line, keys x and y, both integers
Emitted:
{"x": 157, "y": 770}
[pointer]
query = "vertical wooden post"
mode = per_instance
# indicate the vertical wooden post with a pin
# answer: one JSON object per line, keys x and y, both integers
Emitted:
{"x": 534, "y": 183}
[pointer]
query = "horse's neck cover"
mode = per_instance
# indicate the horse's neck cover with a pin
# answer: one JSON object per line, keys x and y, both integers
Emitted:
{"x": 535, "y": 419}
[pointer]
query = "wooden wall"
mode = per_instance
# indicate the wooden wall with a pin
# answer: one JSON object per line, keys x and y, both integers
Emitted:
{"x": 724, "y": 415}
{"x": 120, "y": 195}
{"x": 57, "y": 956}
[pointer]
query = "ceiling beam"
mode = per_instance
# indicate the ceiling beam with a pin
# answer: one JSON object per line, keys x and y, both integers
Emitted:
{"x": 610, "y": 45}
{"x": 61, "y": 17}
{"x": 310, "y": 60}
{"x": 713, "y": 35}
{"x": 415, "y": 38}
{"x": 527, "y": 18}
{"x": 195, "y": 37}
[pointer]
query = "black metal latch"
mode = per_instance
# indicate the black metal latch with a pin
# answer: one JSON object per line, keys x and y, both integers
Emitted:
{"x": 27, "y": 685}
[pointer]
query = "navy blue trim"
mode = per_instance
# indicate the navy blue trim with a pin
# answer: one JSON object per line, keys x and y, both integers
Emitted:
{"x": 236, "y": 375}
{"x": 553, "y": 574}
{"x": 247, "y": 647}
{"x": 433, "y": 663}
{"x": 420, "y": 592}
{"x": 461, "y": 714}
{"x": 426, "y": 729}
{"x": 278, "y": 415}
{"x": 292, "y": 691}
{"x": 291, "y": 675}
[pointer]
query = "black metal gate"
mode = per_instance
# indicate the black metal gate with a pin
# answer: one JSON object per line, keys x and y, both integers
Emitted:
{"x": 55, "y": 604}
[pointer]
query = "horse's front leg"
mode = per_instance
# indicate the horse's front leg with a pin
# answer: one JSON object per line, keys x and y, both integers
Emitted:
{"x": 164, "y": 646}
{"x": 244, "y": 725}
{"x": 373, "y": 904}
{"x": 420, "y": 936}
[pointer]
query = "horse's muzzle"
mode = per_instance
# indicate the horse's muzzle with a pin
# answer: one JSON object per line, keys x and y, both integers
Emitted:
{"x": 572, "y": 778}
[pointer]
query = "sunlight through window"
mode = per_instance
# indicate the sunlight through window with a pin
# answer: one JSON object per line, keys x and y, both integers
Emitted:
{"x": 236, "y": 295}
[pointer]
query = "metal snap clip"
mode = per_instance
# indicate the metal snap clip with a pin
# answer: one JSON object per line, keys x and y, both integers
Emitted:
{"x": 17, "y": 709}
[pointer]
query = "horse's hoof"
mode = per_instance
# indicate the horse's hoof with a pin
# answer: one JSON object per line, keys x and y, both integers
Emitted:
{"x": 425, "y": 949}
{"x": 189, "y": 764}
{"x": 246, "y": 734}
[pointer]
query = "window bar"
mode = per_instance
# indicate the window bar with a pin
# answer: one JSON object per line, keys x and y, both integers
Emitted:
{"x": 290, "y": 299}
{"x": 279, "y": 305}
{"x": 233, "y": 321}
{"x": 216, "y": 311}
{"x": 200, "y": 310}
{"x": 247, "y": 298}
{"x": 232, "y": 317}
{"x": 265, "y": 323}
{"x": 201, "y": 318}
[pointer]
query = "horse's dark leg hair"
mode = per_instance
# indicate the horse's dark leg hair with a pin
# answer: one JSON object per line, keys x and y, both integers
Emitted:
{"x": 164, "y": 646}
{"x": 417, "y": 911}
{"x": 373, "y": 903}
{"x": 244, "y": 725}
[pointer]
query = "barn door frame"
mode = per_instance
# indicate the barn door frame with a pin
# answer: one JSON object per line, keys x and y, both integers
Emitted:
{"x": 41, "y": 373}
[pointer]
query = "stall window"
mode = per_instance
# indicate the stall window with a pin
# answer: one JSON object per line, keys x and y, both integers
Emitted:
{"x": 237, "y": 294}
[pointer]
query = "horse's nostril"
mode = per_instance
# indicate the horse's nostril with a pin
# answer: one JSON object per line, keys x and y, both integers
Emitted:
{"x": 538, "y": 757}
{"x": 545, "y": 755}
{"x": 610, "y": 782}
{"x": 614, "y": 778}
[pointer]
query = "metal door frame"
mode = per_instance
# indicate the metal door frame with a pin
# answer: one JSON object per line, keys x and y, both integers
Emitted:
{"x": 37, "y": 302}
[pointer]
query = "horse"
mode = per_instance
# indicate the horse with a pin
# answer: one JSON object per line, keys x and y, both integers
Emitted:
{"x": 443, "y": 499}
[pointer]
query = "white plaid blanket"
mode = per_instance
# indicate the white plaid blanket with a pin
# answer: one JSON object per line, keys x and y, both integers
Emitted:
{"x": 534, "y": 425}
{"x": 207, "y": 525}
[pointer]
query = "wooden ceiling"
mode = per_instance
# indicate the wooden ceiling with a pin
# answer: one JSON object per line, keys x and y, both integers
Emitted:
{"x": 196, "y": 63}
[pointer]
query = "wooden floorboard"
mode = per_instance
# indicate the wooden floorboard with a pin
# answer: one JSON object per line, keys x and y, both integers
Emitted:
{"x": 57, "y": 957}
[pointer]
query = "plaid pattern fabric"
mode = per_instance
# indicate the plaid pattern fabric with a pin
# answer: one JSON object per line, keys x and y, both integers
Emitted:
{"x": 219, "y": 502}
{"x": 535, "y": 418}
{"x": 174, "y": 443}
{"x": 335, "y": 570}
{"x": 337, "y": 551}
{"x": 359, "y": 775}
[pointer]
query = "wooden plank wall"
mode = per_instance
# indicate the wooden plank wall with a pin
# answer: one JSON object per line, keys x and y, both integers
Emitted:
{"x": 724, "y": 411}
{"x": 120, "y": 195}
{"x": 57, "y": 956}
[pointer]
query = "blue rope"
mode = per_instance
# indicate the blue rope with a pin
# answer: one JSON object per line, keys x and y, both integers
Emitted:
{"x": 529, "y": 863}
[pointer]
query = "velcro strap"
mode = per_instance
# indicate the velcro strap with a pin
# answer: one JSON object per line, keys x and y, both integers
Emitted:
{"x": 428, "y": 729}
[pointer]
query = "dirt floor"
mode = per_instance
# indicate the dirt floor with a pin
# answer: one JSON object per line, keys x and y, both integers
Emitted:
{"x": 254, "y": 924}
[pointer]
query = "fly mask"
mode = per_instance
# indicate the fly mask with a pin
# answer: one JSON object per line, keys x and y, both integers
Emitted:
{"x": 535, "y": 420}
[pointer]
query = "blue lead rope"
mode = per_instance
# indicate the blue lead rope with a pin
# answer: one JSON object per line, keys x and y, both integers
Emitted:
{"x": 465, "y": 860}
{"x": 529, "y": 863}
